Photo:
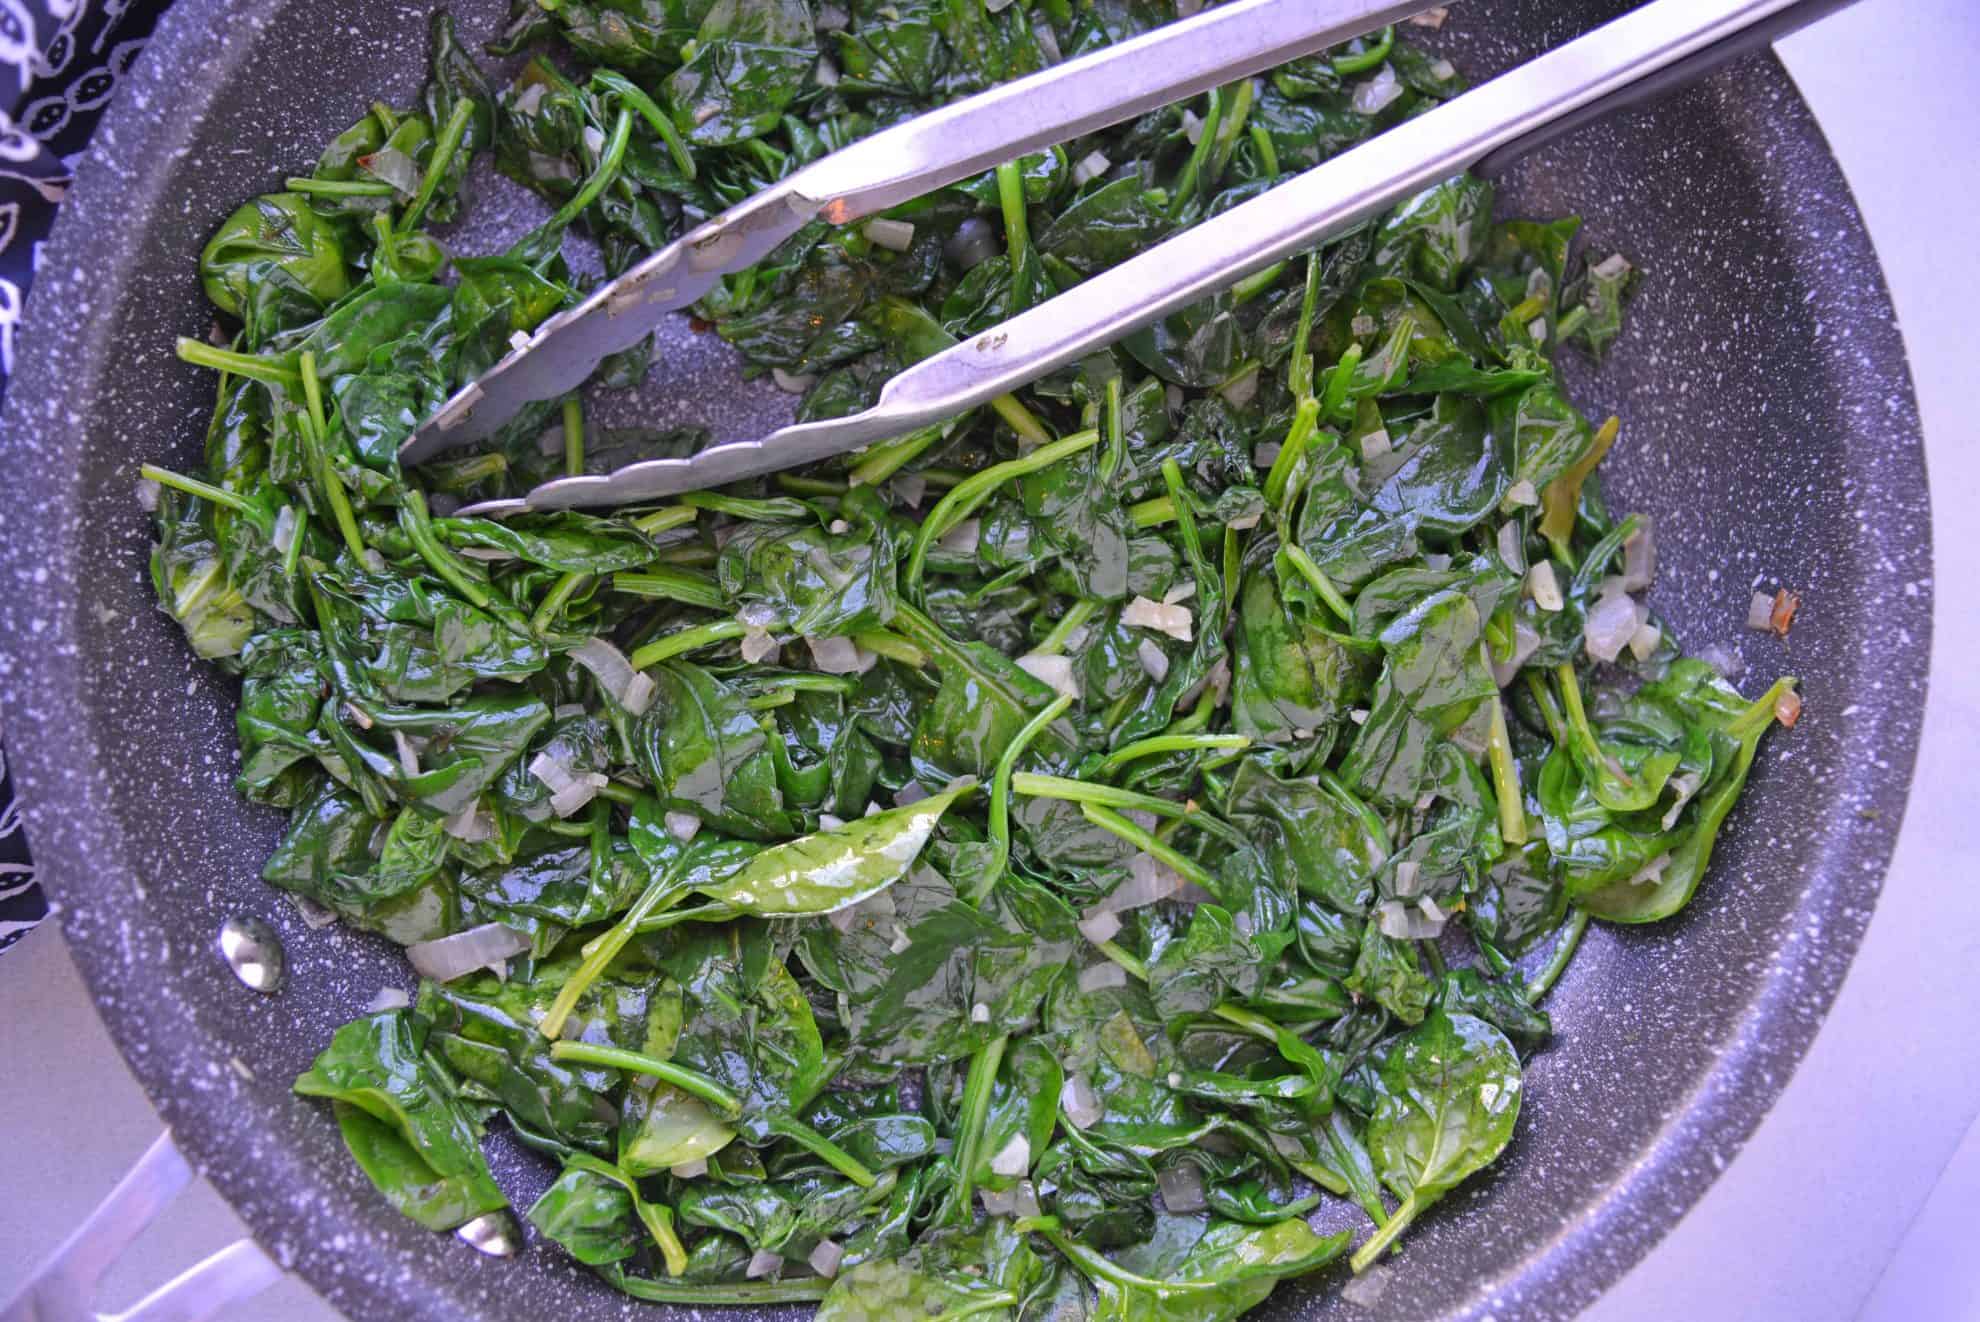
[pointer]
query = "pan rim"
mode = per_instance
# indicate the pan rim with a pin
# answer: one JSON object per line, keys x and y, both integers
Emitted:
{"x": 1728, "y": 1104}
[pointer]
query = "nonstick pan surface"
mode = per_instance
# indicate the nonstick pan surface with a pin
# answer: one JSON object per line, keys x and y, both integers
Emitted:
{"x": 1769, "y": 429}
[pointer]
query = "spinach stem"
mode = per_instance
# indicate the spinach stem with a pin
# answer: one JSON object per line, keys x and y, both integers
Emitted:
{"x": 1257, "y": 283}
{"x": 978, "y": 487}
{"x": 1577, "y": 715}
{"x": 1299, "y": 368}
{"x": 649, "y": 110}
{"x": 1168, "y": 743}
{"x": 988, "y": 1304}
{"x": 1306, "y": 420}
{"x": 665, "y": 519}
{"x": 805, "y": 1290}
{"x": 1296, "y": 555}
{"x": 1385, "y": 1235}
{"x": 192, "y": 486}
{"x": 1109, "y": 820}
{"x": 687, "y": 640}
{"x": 1368, "y": 58}
{"x": 1505, "y": 775}
{"x": 1019, "y": 419}
{"x": 840, "y": 1160}
{"x": 1119, "y": 954}
{"x": 338, "y": 187}
{"x": 1550, "y": 711}
{"x": 293, "y": 556}
{"x": 666, "y": 583}
{"x": 1000, "y": 794}
{"x": 269, "y": 371}
{"x": 1033, "y": 785}
{"x": 1333, "y": 405}
{"x": 558, "y": 597}
{"x": 881, "y": 460}
{"x": 573, "y": 436}
{"x": 445, "y": 148}
{"x": 1199, "y": 156}
{"x": 599, "y": 954}
{"x": 418, "y": 528}
{"x": 713, "y": 912}
{"x": 1268, "y": 152}
{"x": 811, "y": 486}
{"x": 608, "y": 169}
{"x": 1017, "y": 232}
{"x": 1097, "y": 1265}
{"x": 637, "y": 1062}
{"x": 1070, "y": 623}
{"x": 770, "y": 701}
{"x": 983, "y": 1068}
{"x": 1114, "y": 423}
{"x": 881, "y": 642}
{"x": 1564, "y": 948}
{"x": 326, "y": 472}
{"x": 1152, "y": 513}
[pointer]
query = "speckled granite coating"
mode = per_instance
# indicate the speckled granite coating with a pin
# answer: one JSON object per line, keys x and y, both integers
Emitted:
{"x": 1768, "y": 427}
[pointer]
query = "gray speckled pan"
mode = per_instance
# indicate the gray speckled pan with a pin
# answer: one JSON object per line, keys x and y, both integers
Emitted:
{"x": 1768, "y": 427}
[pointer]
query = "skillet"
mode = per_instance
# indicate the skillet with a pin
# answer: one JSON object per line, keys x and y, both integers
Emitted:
{"x": 1769, "y": 429}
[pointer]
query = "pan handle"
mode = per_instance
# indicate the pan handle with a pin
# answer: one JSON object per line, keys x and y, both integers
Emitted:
{"x": 64, "y": 1288}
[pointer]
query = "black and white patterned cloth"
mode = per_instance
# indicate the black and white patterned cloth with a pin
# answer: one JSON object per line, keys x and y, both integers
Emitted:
{"x": 60, "y": 63}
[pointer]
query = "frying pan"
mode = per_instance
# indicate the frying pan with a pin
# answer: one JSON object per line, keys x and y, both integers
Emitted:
{"x": 1769, "y": 429}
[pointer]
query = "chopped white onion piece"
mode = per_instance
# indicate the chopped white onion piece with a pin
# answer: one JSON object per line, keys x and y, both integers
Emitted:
{"x": 1288, "y": 1146}
{"x": 758, "y": 645}
{"x": 408, "y": 755}
{"x": 1077, "y": 1100}
{"x": 1375, "y": 444}
{"x": 1443, "y": 71}
{"x": 1723, "y": 659}
{"x": 1522, "y": 493}
{"x": 792, "y": 383}
{"x": 565, "y": 711}
{"x": 1407, "y": 882}
{"x": 1683, "y": 785}
{"x": 1432, "y": 18}
{"x": 1192, "y": 127}
{"x": 901, "y": 940}
{"x": 581, "y": 791}
{"x": 840, "y": 656}
{"x": 1610, "y": 586}
{"x": 962, "y": 538}
{"x": 1375, "y": 95}
{"x": 762, "y": 1264}
{"x": 1240, "y": 389}
{"x": 912, "y": 792}
{"x": 464, "y": 952}
{"x": 594, "y": 140}
{"x": 530, "y": 98}
{"x": 1536, "y": 330}
{"x": 315, "y": 916}
{"x": 488, "y": 555}
{"x": 552, "y": 771}
{"x": 1175, "y": 621}
{"x": 1643, "y": 643}
{"x": 1427, "y": 906}
{"x": 388, "y": 998}
{"x": 1056, "y": 671}
{"x": 826, "y": 1257}
{"x": 470, "y": 824}
{"x": 284, "y": 535}
{"x": 1639, "y": 560}
{"x": 1172, "y": 397}
{"x": 1014, "y": 1159}
{"x": 1100, "y": 977}
{"x": 395, "y": 168}
{"x": 828, "y": 821}
{"x": 1652, "y": 872}
{"x": 1526, "y": 641}
{"x": 1091, "y": 167}
{"x": 910, "y": 487}
{"x": 1182, "y": 592}
{"x": 1612, "y": 622}
{"x": 1242, "y": 925}
{"x": 1362, "y": 326}
{"x": 1787, "y": 709}
{"x": 1265, "y": 454}
{"x": 681, "y": 825}
{"x": 1359, "y": 715}
{"x": 1405, "y": 922}
{"x": 519, "y": 340}
{"x": 1437, "y": 561}
{"x": 1544, "y": 588}
{"x": 1153, "y": 659}
{"x": 1615, "y": 264}
{"x": 893, "y": 235}
{"x": 1182, "y": 1188}
{"x": 690, "y": 1170}
{"x": 1099, "y": 925}
{"x": 1512, "y": 547}
{"x": 1760, "y": 613}
{"x": 147, "y": 495}
{"x": 614, "y": 673}
{"x": 979, "y": 1013}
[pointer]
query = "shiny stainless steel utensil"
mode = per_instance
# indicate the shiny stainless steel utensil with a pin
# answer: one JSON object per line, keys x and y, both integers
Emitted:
{"x": 1651, "y": 47}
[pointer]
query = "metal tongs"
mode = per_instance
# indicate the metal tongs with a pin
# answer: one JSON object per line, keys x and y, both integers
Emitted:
{"x": 1637, "y": 56}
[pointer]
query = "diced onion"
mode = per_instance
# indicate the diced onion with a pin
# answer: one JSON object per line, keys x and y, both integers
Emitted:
{"x": 395, "y": 168}
{"x": 1054, "y": 670}
{"x": 681, "y": 825}
{"x": 488, "y": 555}
{"x": 408, "y": 755}
{"x": 552, "y": 771}
{"x": 1643, "y": 643}
{"x": 1014, "y": 1159}
{"x": 1526, "y": 641}
{"x": 911, "y": 488}
{"x": 1536, "y": 330}
{"x": 147, "y": 494}
{"x": 1192, "y": 127}
{"x": 1091, "y": 167}
{"x": 1265, "y": 454}
{"x": 581, "y": 791}
{"x": 594, "y": 140}
{"x": 284, "y": 535}
{"x": 1076, "y": 1098}
{"x": 901, "y": 940}
{"x": 1288, "y": 1146}
{"x": 1443, "y": 71}
{"x": 1512, "y": 547}
{"x": 1100, "y": 925}
{"x": 565, "y": 711}
{"x": 1611, "y": 623}
{"x": 828, "y": 821}
{"x": 388, "y": 998}
{"x": 975, "y": 242}
{"x": 840, "y": 656}
{"x": 1153, "y": 659}
{"x": 470, "y": 824}
{"x": 962, "y": 538}
{"x": 1375, "y": 444}
{"x": 1182, "y": 1188}
{"x": 979, "y": 1013}
{"x": 1427, "y": 906}
{"x": 1639, "y": 560}
{"x": 1612, "y": 266}
{"x": 825, "y": 1258}
{"x": 1432, "y": 18}
{"x": 1405, "y": 922}
{"x": 912, "y": 792}
{"x": 614, "y": 673}
{"x": 1180, "y": 593}
{"x": 1375, "y": 95}
{"x": 1652, "y": 872}
{"x": 1437, "y": 561}
{"x": 1362, "y": 326}
{"x": 519, "y": 341}
{"x": 1785, "y": 605}
{"x": 762, "y": 1264}
{"x": 1149, "y": 879}
{"x": 1240, "y": 390}
{"x": 1407, "y": 882}
{"x": 1021, "y": 1199}
{"x": 1683, "y": 785}
{"x": 1522, "y": 493}
{"x": 1544, "y": 588}
{"x": 690, "y": 1170}
{"x": 1100, "y": 977}
{"x": 893, "y": 235}
{"x": 757, "y": 615}
{"x": 826, "y": 74}
{"x": 1611, "y": 586}
{"x": 792, "y": 383}
{"x": 315, "y": 916}
{"x": 1723, "y": 659}
{"x": 757, "y": 644}
{"x": 477, "y": 948}
{"x": 1760, "y": 613}
{"x": 1175, "y": 621}
{"x": 1787, "y": 709}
